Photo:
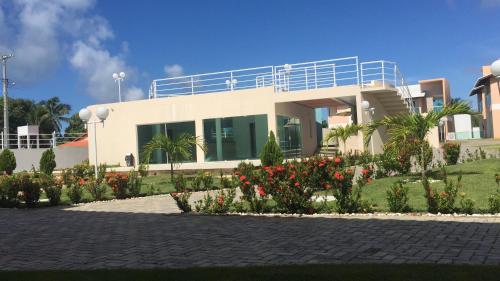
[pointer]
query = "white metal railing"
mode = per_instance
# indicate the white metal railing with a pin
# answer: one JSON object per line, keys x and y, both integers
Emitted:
{"x": 288, "y": 77}
{"x": 15, "y": 141}
{"x": 386, "y": 74}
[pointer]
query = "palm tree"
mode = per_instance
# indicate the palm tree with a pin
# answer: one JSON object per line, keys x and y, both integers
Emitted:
{"x": 414, "y": 127}
{"x": 177, "y": 149}
{"x": 343, "y": 133}
{"x": 56, "y": 112}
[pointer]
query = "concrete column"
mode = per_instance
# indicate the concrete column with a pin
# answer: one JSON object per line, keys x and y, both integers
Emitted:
{"x": 218, "y": 138}
{"x": 198, "y": 127}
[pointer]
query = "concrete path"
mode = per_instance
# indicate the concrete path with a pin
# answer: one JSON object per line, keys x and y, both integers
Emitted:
{"x": 143, "y": 233}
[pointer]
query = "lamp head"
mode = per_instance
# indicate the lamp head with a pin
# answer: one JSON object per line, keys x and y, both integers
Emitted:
{"x": 115, "y": 75}
{"x": 102, "y": 113}
{"x": 122, "y": 74}
{"x": 365, "y": 105}
{"x": 85, "y": 114}
{"x": 495, "y": 68}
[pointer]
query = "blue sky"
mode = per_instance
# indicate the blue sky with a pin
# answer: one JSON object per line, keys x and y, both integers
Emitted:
{"x": 69, "y": 48}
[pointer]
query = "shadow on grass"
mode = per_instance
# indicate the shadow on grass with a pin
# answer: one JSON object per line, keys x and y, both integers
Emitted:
{"x": 365, "y": 272}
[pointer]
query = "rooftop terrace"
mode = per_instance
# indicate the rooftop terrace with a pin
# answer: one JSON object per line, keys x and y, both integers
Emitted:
{"x": 288, "y": 78}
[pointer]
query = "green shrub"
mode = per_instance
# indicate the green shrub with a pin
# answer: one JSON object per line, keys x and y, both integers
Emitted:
{"x": 197, "y": 181}
{"x": 208, "y": 180}
{"x": 466, "y": 204}
{"x": 8, "y": 191}
{"x": 451, "y": 152}
{"x": 96, "y": 189}
{"x": 48, "y": 162}
{"x": 397, "y": 197}
{"x": 220, "y": 203}
{"x": 30, "y": 188}
{"x": 494, "y": 203}
{"x": 271, "y": 152}
{"x": 444, "y": 201}
{"x": 83, "y": 170}
{"x": 119, "y": 184}
{"x": 143, "y": 170}
{"x": 52, "y": 188}
{"x": 75, "y": 193}
{"x": 101, "y": 172}
{"x": 226, "y": 182}
{"x": 180, "y": 182}
{"x": 182, "y": 200}
{"x": 7, "y": 161}
{"x": 134, "y": 183}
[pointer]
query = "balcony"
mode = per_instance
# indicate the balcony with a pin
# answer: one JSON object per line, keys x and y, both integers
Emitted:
{"x": 288, "y": 78}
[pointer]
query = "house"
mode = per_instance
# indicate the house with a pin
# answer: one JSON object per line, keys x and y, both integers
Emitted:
{"x": 487, "y": 91}
{"x": 234, "y": 111}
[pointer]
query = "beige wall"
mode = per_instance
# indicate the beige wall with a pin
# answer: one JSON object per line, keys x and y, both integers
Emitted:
{"x": 118, "y": 135}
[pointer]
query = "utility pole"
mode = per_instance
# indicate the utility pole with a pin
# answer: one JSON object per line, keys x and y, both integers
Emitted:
{"x": 5, "y": 84}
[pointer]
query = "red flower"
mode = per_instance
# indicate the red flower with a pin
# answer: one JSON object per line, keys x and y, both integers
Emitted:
{"x": 292, "y": 176}
{"x": 261, "y": 191}
{"x": 173, "y": 194}
{"x": 280, "y": 168}
{"x": 338, "y": 160}
{"x": 328, "y": 186}
{"x": 297, "y": 184}
{"x": 322, "y": 163}
{"x": 247, "y": 183}
{"x": 349, "y": 171}
{"x": 365, "y": 171}
{"x": 82, "y": 182}
{"x": 220, "y": 200}
{"x": 242, "y": 178}
{"x": 338, "y": 176}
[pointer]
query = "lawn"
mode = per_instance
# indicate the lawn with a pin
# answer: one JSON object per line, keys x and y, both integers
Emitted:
{"x": 365, "y": 272}
{"x": 478, "y": 182}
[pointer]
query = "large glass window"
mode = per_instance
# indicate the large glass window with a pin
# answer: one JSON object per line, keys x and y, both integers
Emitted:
{"x": 437, "y": 104}
{"x": 234, "y": 138}
{"x": 145, "y": 134}
{"x": 289, "y": 135}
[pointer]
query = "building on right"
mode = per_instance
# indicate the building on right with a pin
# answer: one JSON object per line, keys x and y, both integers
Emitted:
{"x": 487, "y": 91}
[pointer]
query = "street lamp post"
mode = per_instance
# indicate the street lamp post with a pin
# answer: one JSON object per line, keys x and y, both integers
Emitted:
{"x": 5, "y": 85}
{"x": 369, "y": 110}
{"x": 118, "y": 77}
{"x": 101, "y": 113}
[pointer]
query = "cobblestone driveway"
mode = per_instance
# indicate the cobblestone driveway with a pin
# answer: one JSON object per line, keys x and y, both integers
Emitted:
{"x": 55, "y": 238}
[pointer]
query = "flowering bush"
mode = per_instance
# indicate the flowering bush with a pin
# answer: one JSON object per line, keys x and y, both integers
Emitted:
{"x": 182, "y": 200}
{"x": 397, "y": 197}
{"x": 29, "y": 187}
{"x": 451, "y": 152}
{"x": 75, "y": 193}
{"x": 119, "y": 184}
{"x": 97, "y": 190}
{"x": 8, "y": 191}
{"x": 443, "y": 201}
{"x": 219, "y": 203}
{"x": 52, "y": 188}
{"x": 253, "y": 191}
{"x": 494, "y": 203}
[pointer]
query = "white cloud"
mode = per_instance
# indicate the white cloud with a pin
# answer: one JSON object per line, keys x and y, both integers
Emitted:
{"x": 39, "y": 32}
{"x": 173, "y": 70}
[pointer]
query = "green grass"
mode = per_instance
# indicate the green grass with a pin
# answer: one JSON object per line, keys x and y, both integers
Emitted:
{"x": 364, "y": 272}
{"x": 478, "y": 182}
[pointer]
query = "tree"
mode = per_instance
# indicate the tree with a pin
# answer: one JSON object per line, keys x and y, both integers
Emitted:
{"x": 343, "y": 133}
{"x": 48, "y": 162}
{"x": 414, "y": 128}
{"x": 56, "y": 112}
{"x": 7, "y": 161}
{"x": 271, "y": 154}
{"x": 177, "y": 149}
{"x": 75, "y": 125}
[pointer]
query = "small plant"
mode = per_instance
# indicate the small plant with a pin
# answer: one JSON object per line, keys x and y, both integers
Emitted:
{"x": 497, "y": 180}
{"x": 143, "y": 170}
{"x": 182, "y": 200}
{"x": 51, "y": 187}
{"x": 96, "y": 189}
{"x": 7, "y": 161}
{"x": 494, "y": 203}
{"x": 48, "y": 162}
{"x": 226, "y": 182}
{"x": 208, "y": 180}
{"x": 466, "y": 204}
{"x": 180, "y": 183}
{"x": 30, "y": 189}
{"x": 119, "y": 184}
{"x": 271, "y": 153}
{"x": 8, "y": 191}
{"x": 397, "y": 197}
{"x": 75, "y": 193}
{"x": 451, "y": 152}
{"x": 101, "y": 172}
{"x": 220, "y": 203}
{"x": 134, "y": 183}
{"x": 197, "y": 181}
